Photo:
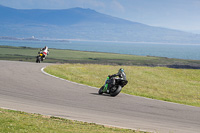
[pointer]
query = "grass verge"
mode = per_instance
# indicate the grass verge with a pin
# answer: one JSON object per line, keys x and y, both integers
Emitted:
{"x": 168, "y": 84}
{"x": 21, "y": 122}
{"x": 72, "y": 56}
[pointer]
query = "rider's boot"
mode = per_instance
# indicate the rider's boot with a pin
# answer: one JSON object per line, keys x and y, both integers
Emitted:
{"x": 108, "y": 91}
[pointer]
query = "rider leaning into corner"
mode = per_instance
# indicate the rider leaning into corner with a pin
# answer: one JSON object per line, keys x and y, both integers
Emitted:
{"x": 121, "y": 74}
{"x": 45, "y": 51}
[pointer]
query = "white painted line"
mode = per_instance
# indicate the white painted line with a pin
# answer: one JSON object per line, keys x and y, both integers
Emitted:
{"x": 65, "y": 79}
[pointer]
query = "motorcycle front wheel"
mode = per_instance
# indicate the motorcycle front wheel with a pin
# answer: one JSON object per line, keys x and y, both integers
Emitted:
{"x": 101, "y": 90}
{"x": 38, "y": 59}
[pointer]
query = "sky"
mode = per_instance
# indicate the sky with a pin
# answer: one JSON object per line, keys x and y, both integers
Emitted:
{"x": 175, "y": 14}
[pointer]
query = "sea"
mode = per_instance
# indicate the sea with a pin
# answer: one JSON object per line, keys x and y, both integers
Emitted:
{"x": 179, "y": 51}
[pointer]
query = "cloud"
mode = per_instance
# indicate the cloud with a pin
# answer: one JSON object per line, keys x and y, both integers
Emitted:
{"x": 115, "y": 5}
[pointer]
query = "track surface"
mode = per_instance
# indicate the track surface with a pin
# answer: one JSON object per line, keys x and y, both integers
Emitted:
{"x": 24, "y": 87}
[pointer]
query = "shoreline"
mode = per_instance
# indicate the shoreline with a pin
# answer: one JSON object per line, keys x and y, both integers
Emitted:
{"x": 85, "y": 40}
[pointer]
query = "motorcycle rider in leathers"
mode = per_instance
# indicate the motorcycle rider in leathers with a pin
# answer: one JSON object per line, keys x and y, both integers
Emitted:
{"x": 44, "y": 51}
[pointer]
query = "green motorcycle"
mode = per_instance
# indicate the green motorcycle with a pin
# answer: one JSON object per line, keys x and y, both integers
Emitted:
{"x": 113, "y": 86}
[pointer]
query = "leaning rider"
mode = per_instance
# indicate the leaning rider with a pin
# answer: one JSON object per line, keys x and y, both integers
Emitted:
{"x": 45, "y": 51}
{"x": 121, "y": 74}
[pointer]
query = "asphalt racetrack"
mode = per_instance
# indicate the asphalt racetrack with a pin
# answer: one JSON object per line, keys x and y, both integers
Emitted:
{"x": 24, "y": 87}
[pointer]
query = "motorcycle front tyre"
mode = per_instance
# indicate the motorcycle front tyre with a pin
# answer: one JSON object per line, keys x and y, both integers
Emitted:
{"x": 101, "y": 90}
{"x": 116, "y": 92}
{"x": 38, "y": 60}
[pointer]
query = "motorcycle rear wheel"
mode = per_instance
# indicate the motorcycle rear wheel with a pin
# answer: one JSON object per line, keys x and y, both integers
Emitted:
{"x": 116, "y": 92}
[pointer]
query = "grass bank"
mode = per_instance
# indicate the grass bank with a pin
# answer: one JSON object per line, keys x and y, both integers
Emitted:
{"x": 21, "y": 122}
{"x": 174, "y": 85}
{"x": 72, "y": 56}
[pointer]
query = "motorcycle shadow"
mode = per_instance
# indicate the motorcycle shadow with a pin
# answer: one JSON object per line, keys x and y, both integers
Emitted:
{"x": 101, "y": 94}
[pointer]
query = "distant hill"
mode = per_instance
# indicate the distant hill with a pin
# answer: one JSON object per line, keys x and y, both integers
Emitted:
{"x": 79, "y": 23}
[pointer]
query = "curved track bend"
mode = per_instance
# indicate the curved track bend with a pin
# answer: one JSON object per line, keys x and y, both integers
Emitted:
{"x": 24, "y": 87}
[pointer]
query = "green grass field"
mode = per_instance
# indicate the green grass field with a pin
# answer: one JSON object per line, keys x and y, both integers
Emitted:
{"x": 21, "y": 122}
{"x": 174, "y": 85}
{"x": 71, "y": 56}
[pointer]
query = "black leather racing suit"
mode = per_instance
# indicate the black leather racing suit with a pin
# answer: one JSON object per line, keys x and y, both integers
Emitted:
{"x": 121, "y": 75}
